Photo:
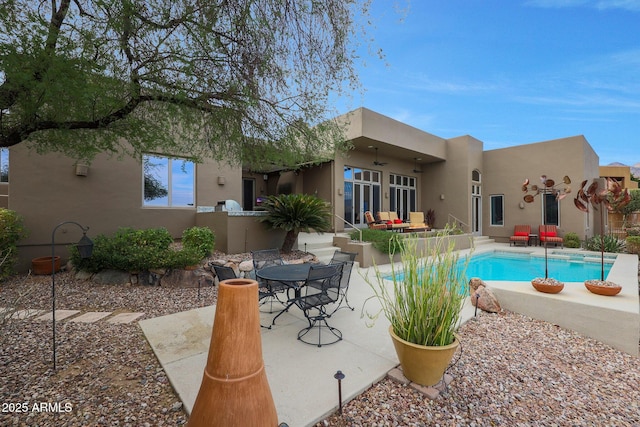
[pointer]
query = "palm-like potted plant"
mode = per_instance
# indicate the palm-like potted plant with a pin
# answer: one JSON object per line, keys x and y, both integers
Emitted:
{"x": 422, "y": 300}
{"x": 611, "y": 197}
{"x": 559, "y": 190}
{"x": 295, "y": 213}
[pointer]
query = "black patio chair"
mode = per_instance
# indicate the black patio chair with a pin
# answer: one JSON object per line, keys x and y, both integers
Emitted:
{"x": 347, "y": 259}
{"x": 270, "y": 290}
{"x": 314, "y": 304}
{"x": 224, "y": 272}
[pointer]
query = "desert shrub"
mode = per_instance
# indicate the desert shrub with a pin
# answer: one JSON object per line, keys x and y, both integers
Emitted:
{"x": 11, "y": 231}
{"x": 199, "y": 239}
{"x": 384, "y": 241}
{"x": 610, "y": 244}
{"x": 128, "y": 250}
{"x": 633, "y": 244}
{"x": 571, "y": 240}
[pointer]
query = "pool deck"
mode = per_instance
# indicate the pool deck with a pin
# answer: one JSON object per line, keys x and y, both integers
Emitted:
{"x": 614, "y": 320}
{"x": 301, "y": 377}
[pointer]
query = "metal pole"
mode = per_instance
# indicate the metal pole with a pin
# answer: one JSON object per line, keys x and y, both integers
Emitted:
{"x": 339, "y": 376}
{"x": 53, "y": 281}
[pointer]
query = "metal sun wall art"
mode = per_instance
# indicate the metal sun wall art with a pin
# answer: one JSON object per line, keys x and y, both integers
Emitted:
{"x": 547, "y": 185}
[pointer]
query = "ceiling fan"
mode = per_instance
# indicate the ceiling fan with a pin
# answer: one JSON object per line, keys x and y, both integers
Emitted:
{"x": 376, "y": 162}
{"x": 415, "y": 165}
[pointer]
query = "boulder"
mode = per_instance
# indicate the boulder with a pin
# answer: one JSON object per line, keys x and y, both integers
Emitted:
{"x": 482, "y": 297}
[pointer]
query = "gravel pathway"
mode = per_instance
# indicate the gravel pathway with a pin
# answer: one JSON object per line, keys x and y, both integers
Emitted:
{"x": 512, "y": 371}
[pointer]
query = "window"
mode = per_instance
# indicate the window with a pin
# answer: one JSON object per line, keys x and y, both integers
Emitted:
{"x": 4, "y": 165}
{"x": 550, "y": 210}
{"x": 497, "y": 209}
{"x": 168, "y": 182}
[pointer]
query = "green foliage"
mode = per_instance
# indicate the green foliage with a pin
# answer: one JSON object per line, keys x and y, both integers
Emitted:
{"x": 633, "y": 231}
{"x": 139, "y": 250}
{"x": 385, "y": 241}
{"x": 634, "y": 204}
{"x": 423, "y": 306}
{"x": 571, "y": 240}
{"x": 199, "y": 239}
{"x": 11, "y": 231}
{"x": 633, "y": 244}
{"x": 294, "y": 213}
{"x": 606, "y": 243}
{"x": 183, "y": 77}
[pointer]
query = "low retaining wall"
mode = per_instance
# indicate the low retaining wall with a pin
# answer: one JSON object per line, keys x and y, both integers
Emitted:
{"x": 368, "y": 255}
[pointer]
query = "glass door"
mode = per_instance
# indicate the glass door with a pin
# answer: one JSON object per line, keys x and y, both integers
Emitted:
{"x": 361, "y": 194}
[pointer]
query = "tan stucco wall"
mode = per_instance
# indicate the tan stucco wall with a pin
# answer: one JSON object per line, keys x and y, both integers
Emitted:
{"x": 622, "y": 174}
{"x": 46, "y": 192}
{"x": 507, "y": 168}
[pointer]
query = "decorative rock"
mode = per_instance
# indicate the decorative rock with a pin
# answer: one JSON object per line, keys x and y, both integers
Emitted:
{"x": 245, "y": 266}
{"x": 482, "y": 297}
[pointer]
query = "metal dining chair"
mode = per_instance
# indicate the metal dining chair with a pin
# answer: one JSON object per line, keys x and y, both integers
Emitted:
{"x": 270, "y": 290}
{"x": 347, "y": 259}
{"x": 315, "y": 305}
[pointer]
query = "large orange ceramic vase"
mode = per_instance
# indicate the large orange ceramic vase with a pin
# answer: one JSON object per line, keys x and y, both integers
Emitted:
{"x": 234, "y": 389}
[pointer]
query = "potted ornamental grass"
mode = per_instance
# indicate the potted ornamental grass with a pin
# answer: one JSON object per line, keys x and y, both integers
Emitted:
{"x": 422, "y": 299}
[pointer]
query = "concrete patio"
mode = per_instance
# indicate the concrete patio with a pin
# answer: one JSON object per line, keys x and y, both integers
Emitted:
{"x": 301, "y": 376}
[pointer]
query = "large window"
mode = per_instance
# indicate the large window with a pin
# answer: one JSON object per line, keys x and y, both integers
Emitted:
{"x": 4, "y": 165}
{"x": 168, "y": 182}
{"x": 402, "y": 194}
{"x": 550, "y": 210}
{"x": 497, "y": 209}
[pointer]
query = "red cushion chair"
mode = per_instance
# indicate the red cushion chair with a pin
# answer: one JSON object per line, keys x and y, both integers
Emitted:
{"x": 520, "y": 235}
{"x": 549, "y": 234}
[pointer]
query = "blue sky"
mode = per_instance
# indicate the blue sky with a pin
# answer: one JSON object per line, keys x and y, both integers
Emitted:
{"x": 510, "y": 72}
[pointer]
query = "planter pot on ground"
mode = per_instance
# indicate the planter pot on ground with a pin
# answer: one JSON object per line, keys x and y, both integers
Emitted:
{"x": 42, "y": 265}
{"x": 424, "y": 365}
{"x": 548, "y": 286}
{"x": 600, "y": 287}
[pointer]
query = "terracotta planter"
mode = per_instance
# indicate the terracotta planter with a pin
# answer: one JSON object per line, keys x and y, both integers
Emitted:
{"x": 42, "y": 265}
{"x": 234, "y": 389}
{"x": 596, "y": 287}
{"x": 548, "y": 286}
{"x": 424, "y": 365}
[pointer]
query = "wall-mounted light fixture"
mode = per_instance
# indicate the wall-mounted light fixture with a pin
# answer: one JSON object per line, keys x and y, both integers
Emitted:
{"x": 82, "y": 170}
{"x": 521, "y": 205}
{"x": 265, "y": 177}
{"x": 340, "y": 191}
{"x": 222, "y": 180}
{"x": 442, "y": 197}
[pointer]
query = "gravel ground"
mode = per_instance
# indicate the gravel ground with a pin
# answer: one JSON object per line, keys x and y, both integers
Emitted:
{"x": 512, "y": 371}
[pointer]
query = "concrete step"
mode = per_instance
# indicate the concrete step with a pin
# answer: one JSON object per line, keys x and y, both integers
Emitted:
{"x": 482, "y": 240}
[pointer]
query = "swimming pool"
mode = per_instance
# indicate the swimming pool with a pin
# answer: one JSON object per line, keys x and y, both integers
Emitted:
{"x": 521, "y": 266}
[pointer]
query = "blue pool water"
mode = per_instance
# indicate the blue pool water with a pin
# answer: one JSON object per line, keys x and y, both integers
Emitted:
{"x": 522, "y": 267}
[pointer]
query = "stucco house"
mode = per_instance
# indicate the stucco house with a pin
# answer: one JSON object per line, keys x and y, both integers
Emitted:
{"x": 392, "y": 166}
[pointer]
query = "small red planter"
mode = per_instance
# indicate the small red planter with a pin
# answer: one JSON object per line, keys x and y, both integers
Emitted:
{"x": 597, "y": 287}
{"x": 548, "y": 286}
{"x": 42, "y": 265}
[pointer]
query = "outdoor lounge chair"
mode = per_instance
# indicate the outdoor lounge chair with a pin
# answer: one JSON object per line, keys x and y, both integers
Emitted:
{"x": 392, "y": 221}
{"x": 372, "y": 223}
{"x": 549, "y": 234}
{"x": 520, "y": 235}
{"x": 416, "y": 222}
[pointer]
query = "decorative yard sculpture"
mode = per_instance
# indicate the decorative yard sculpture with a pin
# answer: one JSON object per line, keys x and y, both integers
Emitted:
{"x": 612, "y": 197}
{"x": 560, "y": 191}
